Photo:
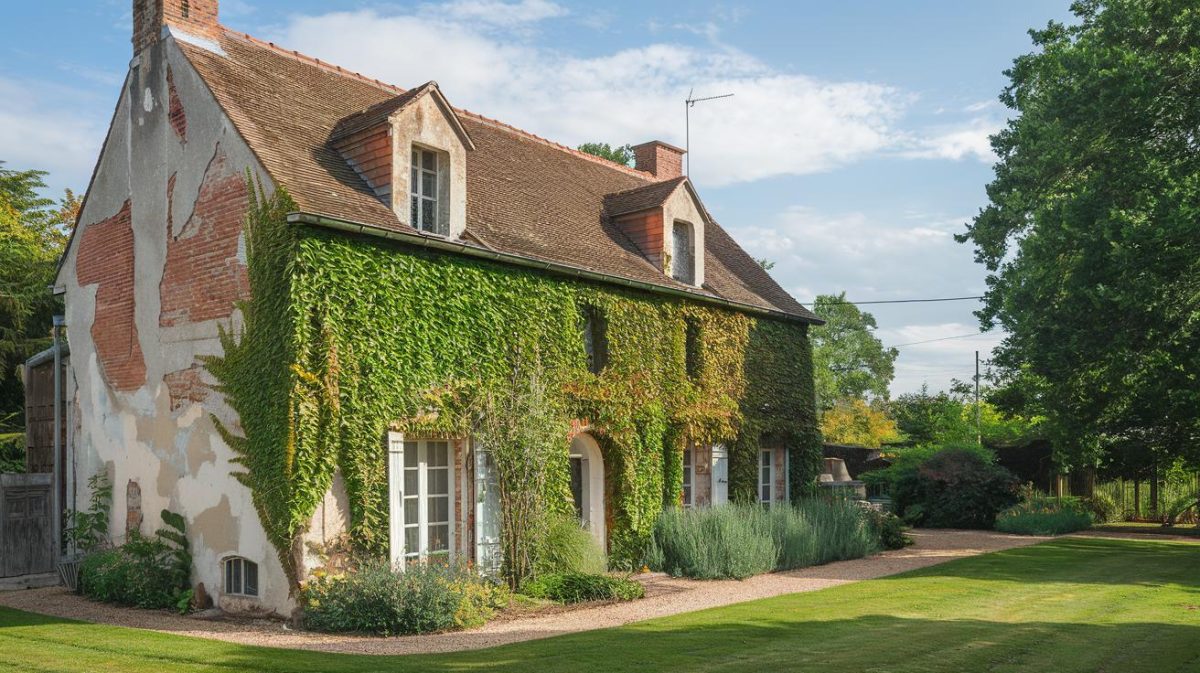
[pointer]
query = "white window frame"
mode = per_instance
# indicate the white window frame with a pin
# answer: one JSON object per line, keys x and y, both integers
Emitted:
{"x": 689, "y": 476}
{"x": 398, "y": 446}
{"x": 416, "y": 192}
{"x": 241, "y": 563}
{"x": 766, "y": 487}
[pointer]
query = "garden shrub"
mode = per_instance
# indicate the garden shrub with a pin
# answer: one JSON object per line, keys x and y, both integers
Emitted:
{"x": 890, "y": 529}
{"x": 566, "y": 547}
{"x": 145, "y": 572}
{"x": 376, "y": 599}
{"x": 572, "y": 587}
{"x": 956, "y": 487}
{"x": 1045, "y": 516}
{"x": 1103, "y": 507}
{"x": 738, "y": 541}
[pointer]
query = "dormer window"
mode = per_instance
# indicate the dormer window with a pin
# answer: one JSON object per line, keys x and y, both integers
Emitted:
{"x": 424, "y": 197}
{"x": 683, "y": 256}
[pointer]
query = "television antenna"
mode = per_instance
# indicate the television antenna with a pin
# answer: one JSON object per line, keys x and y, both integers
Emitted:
{"x": 687, "y": 124}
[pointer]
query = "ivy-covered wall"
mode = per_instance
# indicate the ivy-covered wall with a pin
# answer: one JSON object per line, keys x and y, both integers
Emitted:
{"x": 347, "y": 336}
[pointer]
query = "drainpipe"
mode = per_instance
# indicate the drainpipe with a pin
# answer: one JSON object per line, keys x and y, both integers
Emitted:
{"x": 56, "y": 480}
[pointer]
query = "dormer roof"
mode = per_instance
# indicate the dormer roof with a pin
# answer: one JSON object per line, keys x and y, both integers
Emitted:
{"x": 381, "y": 112}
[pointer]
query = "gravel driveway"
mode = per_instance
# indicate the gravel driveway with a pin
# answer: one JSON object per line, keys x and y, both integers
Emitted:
{"x": 664, "y": 596}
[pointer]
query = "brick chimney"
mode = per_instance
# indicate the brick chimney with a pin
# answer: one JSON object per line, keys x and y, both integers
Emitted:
{"x": 659, "y": 159}
{"x": 198, "y": 17}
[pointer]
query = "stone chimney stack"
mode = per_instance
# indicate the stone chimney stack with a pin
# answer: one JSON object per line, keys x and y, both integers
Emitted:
{"x": 659, "y": 159}
{"x": 197, "y": 17}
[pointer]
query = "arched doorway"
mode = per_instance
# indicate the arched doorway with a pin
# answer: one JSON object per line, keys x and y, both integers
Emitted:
{"x": 587, "y": 485}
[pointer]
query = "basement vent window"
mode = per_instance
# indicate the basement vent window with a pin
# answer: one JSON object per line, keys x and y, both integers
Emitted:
{"x": 241, "y": 577}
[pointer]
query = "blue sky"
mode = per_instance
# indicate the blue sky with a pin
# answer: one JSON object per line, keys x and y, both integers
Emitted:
{"x": 854, "y": 147}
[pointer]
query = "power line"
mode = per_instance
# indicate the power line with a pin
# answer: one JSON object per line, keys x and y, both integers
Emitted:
{"x": 929, "y": 341}
{"x": 902, "y": 301}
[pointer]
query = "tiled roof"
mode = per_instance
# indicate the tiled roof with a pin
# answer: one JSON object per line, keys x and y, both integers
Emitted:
{"x": 526, "y": 196}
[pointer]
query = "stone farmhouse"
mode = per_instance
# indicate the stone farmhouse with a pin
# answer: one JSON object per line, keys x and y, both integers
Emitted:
{"x": 423, "y": 243}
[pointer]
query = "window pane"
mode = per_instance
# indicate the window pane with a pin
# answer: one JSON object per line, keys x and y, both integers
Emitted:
{"x": 439, "y": 508}
{"x": 412, "y": 540}
{"x": 439, "y": 454}
{"x": 438, "y": 481}
{"x": 416, "y": 160}
{"x": 766, "y": 493}
{"x": 410, "y": 481}
{"x": 429, "y": 184}
{"x": 410, "y": 454}
{"x": 251, "y": 588}
{"x": 428, "y": 161}
{"x": 237, "y": 576}
{"x": 766, "y": 458}
{"x": 410, "y": 510}
{"x": 439, "y": 538}
{"x": 229, "y": 576}
{"x": 429, "y": 208}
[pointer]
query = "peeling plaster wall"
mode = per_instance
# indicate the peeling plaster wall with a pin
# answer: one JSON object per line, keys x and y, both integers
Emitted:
{"x": 682, "y": 207}
{"x": 424, "y": 123}
{"x": 176, "y": 162}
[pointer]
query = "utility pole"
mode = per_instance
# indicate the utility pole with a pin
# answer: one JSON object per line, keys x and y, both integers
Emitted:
{"x": 687, "y": 126}
{"x": 978, "y": 425}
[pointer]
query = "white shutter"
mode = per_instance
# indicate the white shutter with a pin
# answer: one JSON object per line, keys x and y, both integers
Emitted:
{"x": 720, "y": 474}
{"x": 396, "y": 499}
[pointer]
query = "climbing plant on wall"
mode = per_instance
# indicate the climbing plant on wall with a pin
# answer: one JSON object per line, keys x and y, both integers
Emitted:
{"x": 347, "y": 337}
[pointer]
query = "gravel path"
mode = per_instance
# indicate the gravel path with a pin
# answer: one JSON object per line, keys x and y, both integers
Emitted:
{"x": 664, "y": 596}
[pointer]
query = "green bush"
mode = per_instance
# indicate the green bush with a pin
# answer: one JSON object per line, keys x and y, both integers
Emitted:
{"x": 1103, "y": 507}
{"x": 567, "y": 548}
{"x": 738, "y": 541}
{"x": 12, "y": 452}
{"x": 956, "y": 487}
{"x": 145, "y": 572}
{"x": 1045, "y": 516}
{"x": 424, "y": 598}
{"x": 890, "y": 529}
{"x": 580, "y": 587}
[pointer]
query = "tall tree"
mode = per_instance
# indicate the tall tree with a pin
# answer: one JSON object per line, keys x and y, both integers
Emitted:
{"x": 621, "y": 154}
{"x": 32, "y": 235}
{"x": 1092, "y": 238}
{"x": 850, "y": 362}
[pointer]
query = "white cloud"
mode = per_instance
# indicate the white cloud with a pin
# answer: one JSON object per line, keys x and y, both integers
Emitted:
{"x": 778, "y": 123}
{"x": 936, "y": 363}
{"x": 970, "y": 140}
{"x": 44, "y": 127}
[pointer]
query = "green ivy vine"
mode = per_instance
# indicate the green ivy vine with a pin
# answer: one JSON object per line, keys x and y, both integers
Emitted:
{"x": 345, "y": 337}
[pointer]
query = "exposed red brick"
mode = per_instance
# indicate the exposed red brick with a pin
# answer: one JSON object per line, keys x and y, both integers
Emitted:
{"x": 203, "y": 277}
{"x": 105, "y": 258}
{"x": 175, "y": 109}
{"x": 185, "y": 387}
{"x": 663, "y": 161}
{"x": 198, "y": 17}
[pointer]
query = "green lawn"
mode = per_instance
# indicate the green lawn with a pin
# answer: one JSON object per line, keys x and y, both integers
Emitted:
{"x": 1191, "y": 530}
{"x": 1072, "y": 604}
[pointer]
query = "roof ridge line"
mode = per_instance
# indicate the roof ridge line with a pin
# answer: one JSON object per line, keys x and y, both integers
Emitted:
{"x": 339, "y": 70}
{"x": 657, "y": 183}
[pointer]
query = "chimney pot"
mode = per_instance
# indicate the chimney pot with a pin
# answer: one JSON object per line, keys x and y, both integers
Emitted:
{"x": 659, "y": 159}
{"x": 198, "y": 17}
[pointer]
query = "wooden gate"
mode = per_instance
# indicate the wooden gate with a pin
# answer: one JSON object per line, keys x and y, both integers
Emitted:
{"x": 26, "y": 531}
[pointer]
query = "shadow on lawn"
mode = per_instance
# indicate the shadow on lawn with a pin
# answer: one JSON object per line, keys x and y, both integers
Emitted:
{"x": 1108, "y": 561}
{"x": 730, "y": 640}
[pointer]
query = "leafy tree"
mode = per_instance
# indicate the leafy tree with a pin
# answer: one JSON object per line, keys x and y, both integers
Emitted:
{"x": 856, "y": 422}
{"x": 1090, "y": 237}
{"x": 621, "y": 154}
{"x": 850, "y": 362}
{"x": 765, "y": 263}
{"x": 32, "y": 236}
{"x": 943, "y": 419}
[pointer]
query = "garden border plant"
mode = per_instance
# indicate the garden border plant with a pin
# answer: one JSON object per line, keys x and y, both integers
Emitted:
{"x": 344, "y": 338}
